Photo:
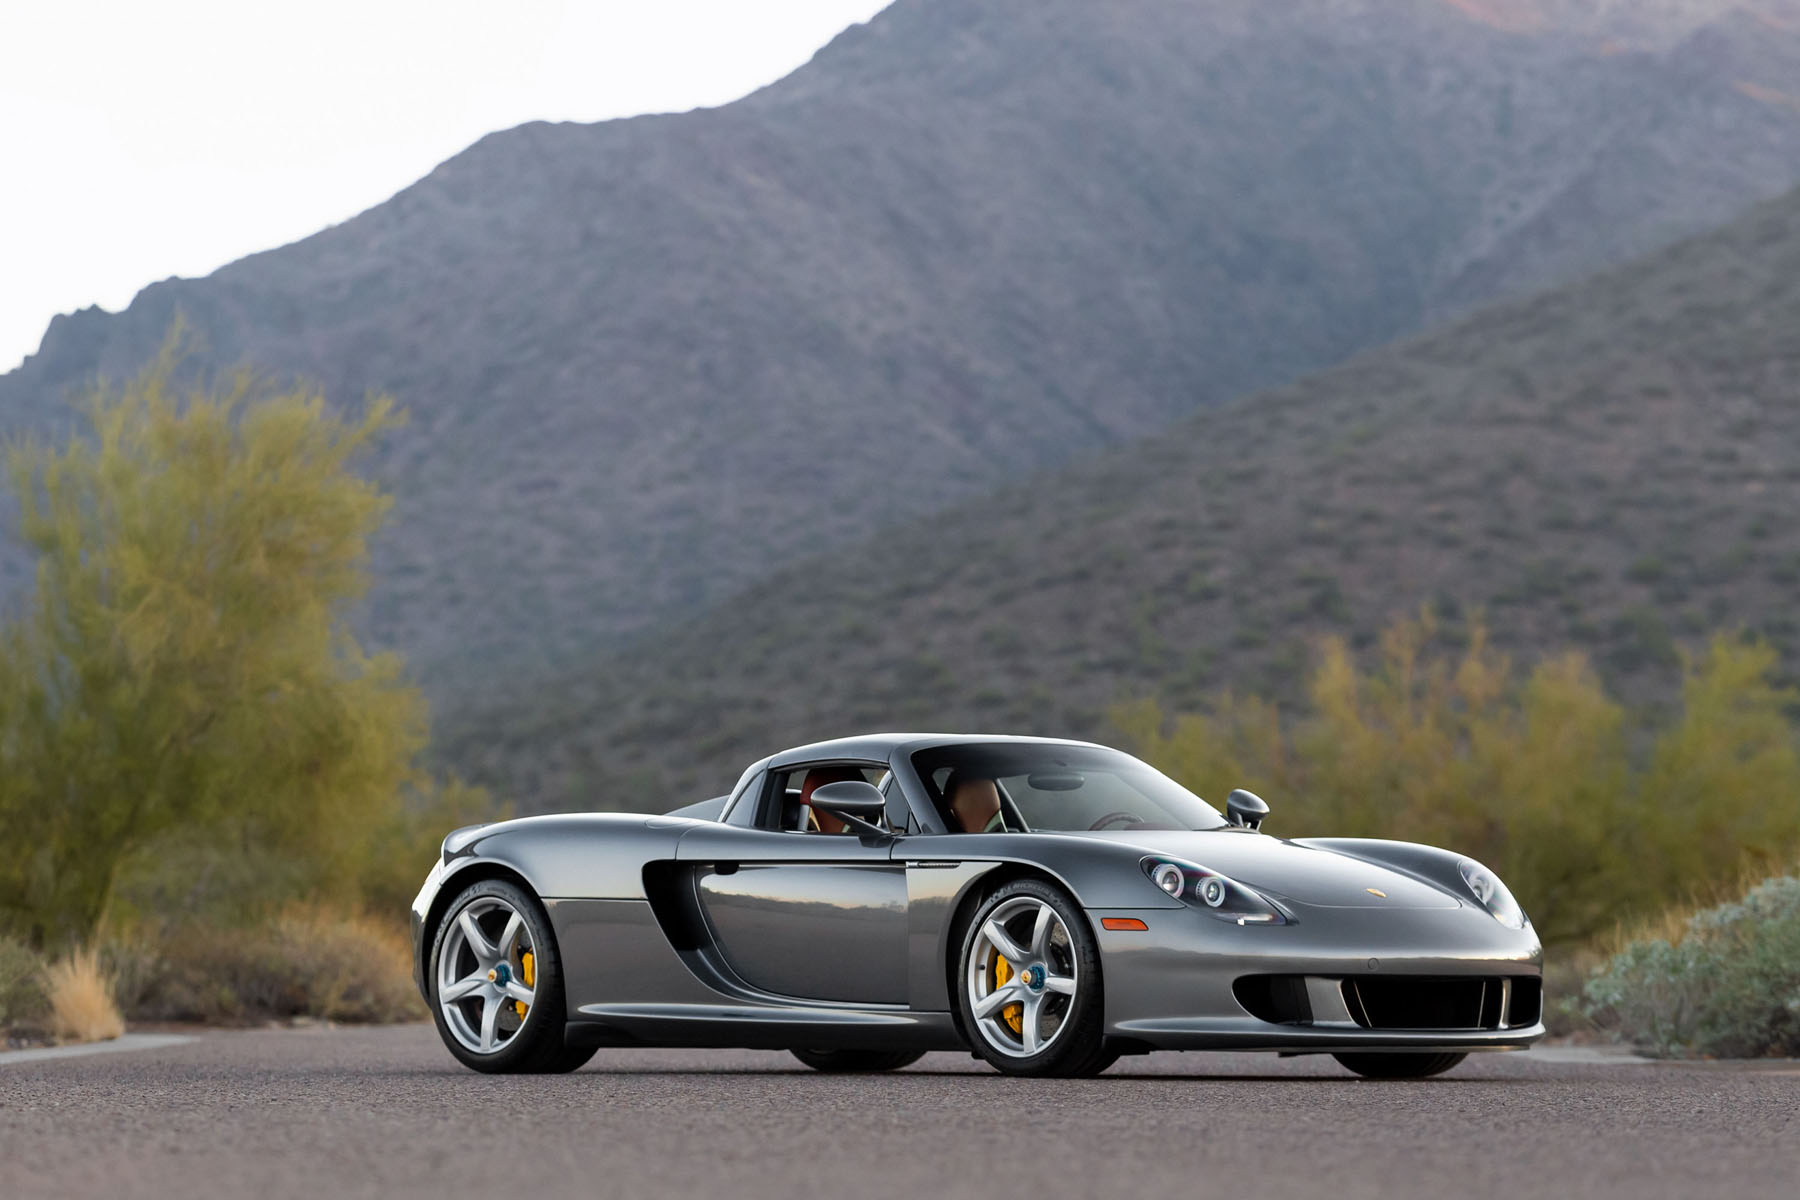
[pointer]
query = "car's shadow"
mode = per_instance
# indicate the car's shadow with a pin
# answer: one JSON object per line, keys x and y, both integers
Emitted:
{"x": 976, "y": 1075}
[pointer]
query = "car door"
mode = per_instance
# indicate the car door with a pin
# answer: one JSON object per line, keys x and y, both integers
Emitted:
{"x": 805, "y": 916}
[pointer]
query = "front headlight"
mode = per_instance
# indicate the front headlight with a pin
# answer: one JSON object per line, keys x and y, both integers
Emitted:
{"x": 1213, "y": 893}
{"x": 1486, "y": 887}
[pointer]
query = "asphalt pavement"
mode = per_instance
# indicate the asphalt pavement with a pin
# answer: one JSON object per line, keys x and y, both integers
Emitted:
{"x": 319, "y": 1113}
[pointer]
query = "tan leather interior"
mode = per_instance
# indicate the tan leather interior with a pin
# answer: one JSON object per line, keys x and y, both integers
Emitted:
{"x": 973, "y": 803}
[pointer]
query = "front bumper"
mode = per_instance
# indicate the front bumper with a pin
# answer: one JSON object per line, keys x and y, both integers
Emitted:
{"x": 1173, "y": 986}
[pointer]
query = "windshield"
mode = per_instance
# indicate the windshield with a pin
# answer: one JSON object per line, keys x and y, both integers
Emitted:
{"x": 1060, "y": 788}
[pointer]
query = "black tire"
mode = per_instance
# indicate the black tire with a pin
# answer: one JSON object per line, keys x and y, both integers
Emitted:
{"x": 1399, "y": 1066}
{"x": 857, "y": 1062}
{"x": 537, "y": 1048}
{"x": 1079, "y": 1048}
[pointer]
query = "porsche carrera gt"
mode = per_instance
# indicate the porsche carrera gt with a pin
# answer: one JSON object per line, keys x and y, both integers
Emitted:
{"x": 1046, "y": 905}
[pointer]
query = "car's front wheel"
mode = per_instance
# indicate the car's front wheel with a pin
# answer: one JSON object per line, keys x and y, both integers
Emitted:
{"x": 857, "y": 1062}
{"x": 1029, "y": 987}
{"x": 1399, "y": 1066}
{"x": 496, "y": 985}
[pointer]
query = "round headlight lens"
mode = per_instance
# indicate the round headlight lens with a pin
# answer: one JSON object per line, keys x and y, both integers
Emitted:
{"x": 1207, "y": 891}
{"x": 1487, "y": 888}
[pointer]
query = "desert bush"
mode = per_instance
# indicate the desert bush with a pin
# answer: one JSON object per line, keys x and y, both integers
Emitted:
{"x": 231, "y": 875}
{"x": 1588, "y": 815}
{"x": 186, "y": 722}
{"x": 304, "y": 963}
{"x": 136, "y": 969}
{"x": 1726, "y": 984}
{"x": 22, "y": 1000}
{"x": 80, "y": 995}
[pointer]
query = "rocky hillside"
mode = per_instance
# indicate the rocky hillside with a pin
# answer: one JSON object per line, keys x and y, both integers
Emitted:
{"x": 1614, "y": 466}
{"x": 650, "y": 361}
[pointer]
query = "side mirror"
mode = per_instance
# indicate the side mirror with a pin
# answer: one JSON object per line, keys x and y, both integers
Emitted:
{"x": 850, "y": 799}
{"x": 1243, "y": 809}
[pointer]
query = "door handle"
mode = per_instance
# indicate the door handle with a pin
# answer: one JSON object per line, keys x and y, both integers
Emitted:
{"x": 725, "y": 868}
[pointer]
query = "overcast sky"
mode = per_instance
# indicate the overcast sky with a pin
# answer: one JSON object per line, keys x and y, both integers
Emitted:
{"x": 146, "y": 138}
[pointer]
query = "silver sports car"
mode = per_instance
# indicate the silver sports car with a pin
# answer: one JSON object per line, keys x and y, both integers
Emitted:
{"x": 1048, "y": 905}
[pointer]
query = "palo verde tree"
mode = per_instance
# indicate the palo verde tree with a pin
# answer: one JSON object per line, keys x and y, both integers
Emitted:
{"x": 183, "y": 669}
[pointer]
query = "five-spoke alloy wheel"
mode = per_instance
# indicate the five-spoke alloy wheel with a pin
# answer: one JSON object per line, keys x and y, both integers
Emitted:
{"x": 496, "y": 983}
{"x": 1029, "y": 985}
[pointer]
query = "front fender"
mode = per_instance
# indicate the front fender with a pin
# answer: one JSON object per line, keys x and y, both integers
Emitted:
{"x": 1099, "y": 874}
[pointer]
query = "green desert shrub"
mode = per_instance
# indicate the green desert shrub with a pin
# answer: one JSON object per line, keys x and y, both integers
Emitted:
{"x": 1726, "y": 984}
{"x": 188, "y": 728}
{"x": 22, "y": 1000}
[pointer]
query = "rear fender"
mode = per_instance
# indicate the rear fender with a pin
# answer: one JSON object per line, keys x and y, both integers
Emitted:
{"x": 589, "y": 856}
{"x": 572, "y": 856}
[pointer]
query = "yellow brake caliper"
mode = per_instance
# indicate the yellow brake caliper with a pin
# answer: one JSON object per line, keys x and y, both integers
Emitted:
{"x": 1012, "y": 1014}
{"x": 529, "y": 974}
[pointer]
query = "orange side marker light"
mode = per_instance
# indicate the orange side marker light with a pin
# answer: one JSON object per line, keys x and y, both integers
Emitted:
{"x": 1123, "y": 924}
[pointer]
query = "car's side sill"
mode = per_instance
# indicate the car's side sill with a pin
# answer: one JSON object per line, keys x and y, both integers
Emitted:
{"x": 760, "y": 1028}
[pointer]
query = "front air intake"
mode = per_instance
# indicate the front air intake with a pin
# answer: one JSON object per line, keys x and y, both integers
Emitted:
{"x": 1277, "y": 999}
{"x": 1410, "y": 1002}
{"x": 1398, "y": 1002}
{"x": 1527, "y": 1007}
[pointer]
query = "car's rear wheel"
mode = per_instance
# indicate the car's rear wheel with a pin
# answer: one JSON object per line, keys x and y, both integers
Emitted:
{"x": 857, "y": 1062}
{"x": 1028, "y": 984}
{"x": 1399, "y": 1066}
{"x": 496, "y": 983}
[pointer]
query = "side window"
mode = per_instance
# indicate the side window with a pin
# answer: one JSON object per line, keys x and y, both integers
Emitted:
{"x": 786, "y": 808}
{"x": 900, "y": 818}
{"x": 996, "y": 809}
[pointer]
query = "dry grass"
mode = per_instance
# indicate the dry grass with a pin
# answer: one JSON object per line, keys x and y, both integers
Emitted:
{"x": 1670, "y": 924}
{"x": 358, "y": 968}
{"x": 308, "y": 962}
{"x": 81, "y": 999}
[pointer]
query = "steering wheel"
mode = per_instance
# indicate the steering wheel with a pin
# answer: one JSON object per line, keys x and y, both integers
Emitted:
{"x": 1120, "y": 818}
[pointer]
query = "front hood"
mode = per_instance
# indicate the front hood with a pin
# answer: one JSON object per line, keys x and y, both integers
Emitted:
{"x": 1301, "y": 873}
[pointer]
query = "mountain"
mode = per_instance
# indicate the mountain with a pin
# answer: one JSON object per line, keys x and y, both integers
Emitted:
{"x": 1613, "y": 465}
{"x": 650, "y": 361}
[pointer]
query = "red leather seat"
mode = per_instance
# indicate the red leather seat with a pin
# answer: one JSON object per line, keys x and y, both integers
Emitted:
{"x": 817, "y": 778}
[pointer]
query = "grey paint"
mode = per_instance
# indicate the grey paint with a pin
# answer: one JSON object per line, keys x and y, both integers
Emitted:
{"x": 1171, "y": 985}
{"x": 823, "y": 931}
{"x": 615, "y": 952}
{"x": 935, "y": 888}
{"x": 592, "y": 855}
{"x": 804, "y": 915}
{"x": 695, "y": 929}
